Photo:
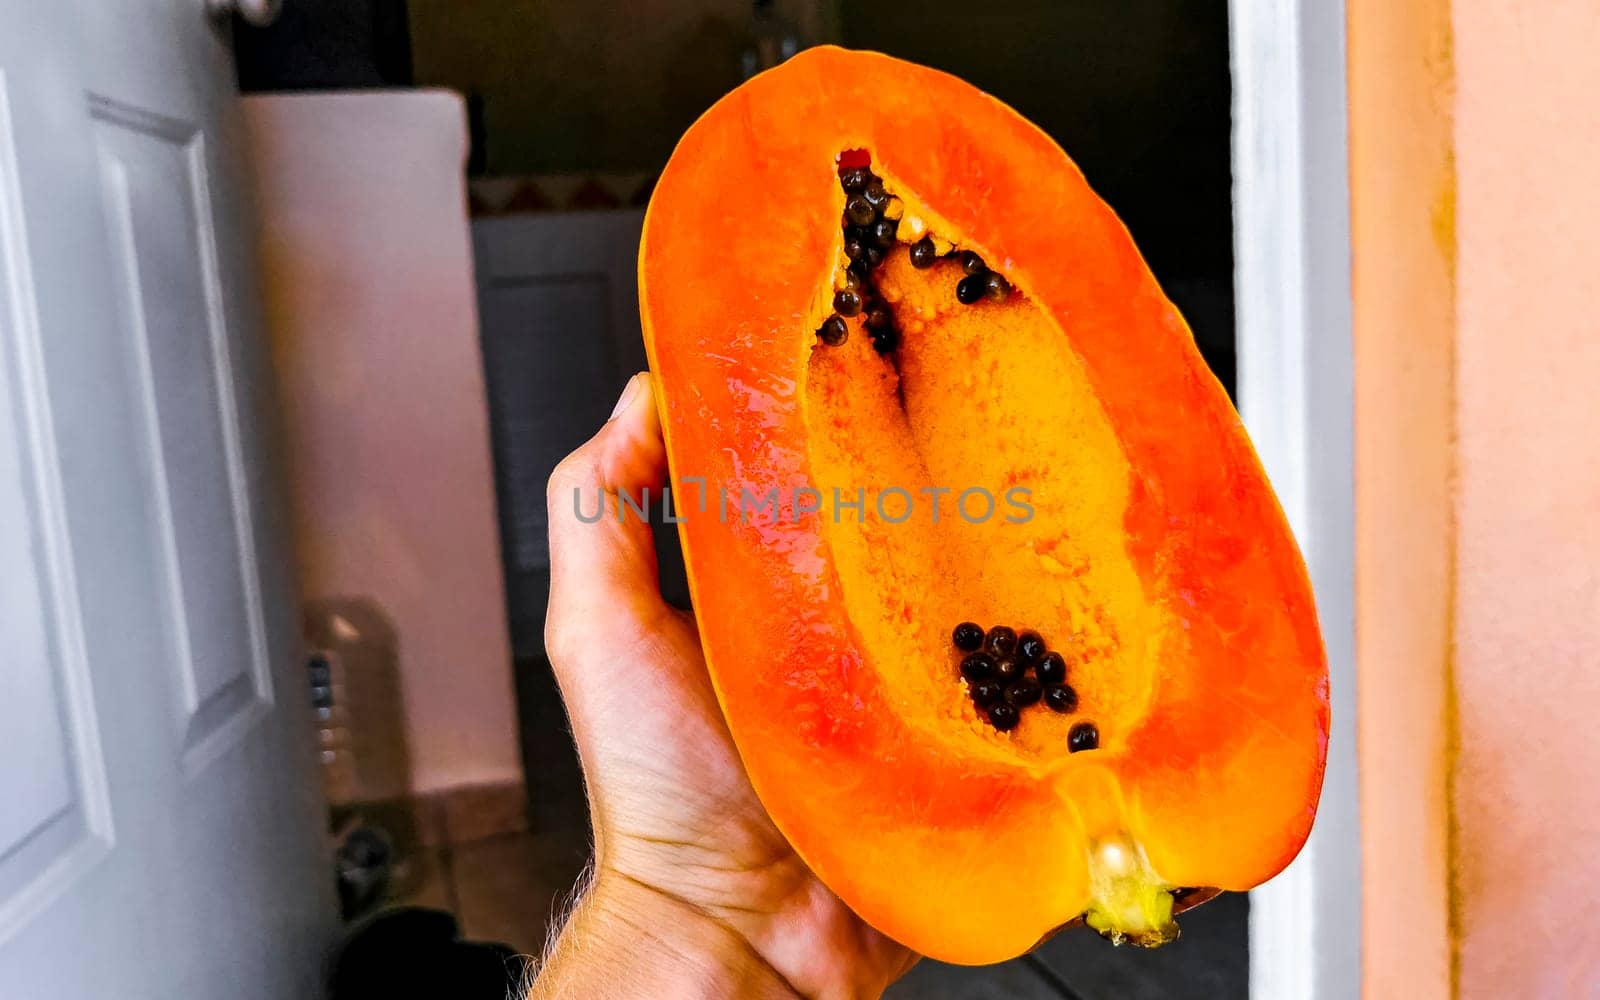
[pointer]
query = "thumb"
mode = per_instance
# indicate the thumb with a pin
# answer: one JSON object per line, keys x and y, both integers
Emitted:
{"x": 603, "y": 578}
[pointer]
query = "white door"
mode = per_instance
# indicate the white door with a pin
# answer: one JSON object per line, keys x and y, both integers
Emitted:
{"x": 161, "y": 833}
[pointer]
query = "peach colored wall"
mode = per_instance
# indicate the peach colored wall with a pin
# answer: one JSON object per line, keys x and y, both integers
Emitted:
{"x": 372, "y": 309}
{"x": 1475, "y": 153}
{"x": 1527, "y": 616}
{"x": 1404, "y": 331}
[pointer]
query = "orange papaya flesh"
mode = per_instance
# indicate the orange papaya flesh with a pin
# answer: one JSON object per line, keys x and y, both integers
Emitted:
{"x": 1145, "y": 544}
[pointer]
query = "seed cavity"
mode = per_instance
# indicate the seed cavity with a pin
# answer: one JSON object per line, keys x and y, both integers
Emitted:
{"x": 871, "y": 227}
{"x": 1008, "y": 671}
{"x": 980, "y": 283}
{"x": 875, "y": 223}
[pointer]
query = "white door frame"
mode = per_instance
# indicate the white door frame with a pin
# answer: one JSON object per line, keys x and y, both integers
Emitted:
{"x": 1292, "y": 285}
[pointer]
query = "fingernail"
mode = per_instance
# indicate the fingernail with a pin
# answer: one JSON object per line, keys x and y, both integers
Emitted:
{"x": 628, "y": 392}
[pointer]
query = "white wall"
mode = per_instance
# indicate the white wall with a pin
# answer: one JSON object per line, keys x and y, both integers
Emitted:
{"x": 371, "y": 306}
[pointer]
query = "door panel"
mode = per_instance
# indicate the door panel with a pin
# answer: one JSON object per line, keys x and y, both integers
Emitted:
{"x": 161, "y": 829}
{"x": 154, "y": 174}
{"x": 56, "y": 819}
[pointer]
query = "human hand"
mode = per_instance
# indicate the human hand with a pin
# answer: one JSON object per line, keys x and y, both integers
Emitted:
{"x": 695, "y": 892}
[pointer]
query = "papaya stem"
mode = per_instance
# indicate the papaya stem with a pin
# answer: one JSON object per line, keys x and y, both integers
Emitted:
{"x": 1130, "y": 903}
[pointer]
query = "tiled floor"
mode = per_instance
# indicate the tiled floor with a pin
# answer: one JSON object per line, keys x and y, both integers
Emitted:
{"x": 512, "y": 889}
{"x": 505, "y": 889}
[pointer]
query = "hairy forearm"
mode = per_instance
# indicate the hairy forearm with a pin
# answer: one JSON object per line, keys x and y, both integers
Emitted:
{"x": 625, "y": 940}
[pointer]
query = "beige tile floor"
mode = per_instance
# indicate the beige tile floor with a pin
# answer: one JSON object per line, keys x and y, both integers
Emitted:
{"x": 506, "y": 888}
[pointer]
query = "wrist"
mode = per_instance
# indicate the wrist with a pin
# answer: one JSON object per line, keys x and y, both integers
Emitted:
{"x": 626, "y": 939}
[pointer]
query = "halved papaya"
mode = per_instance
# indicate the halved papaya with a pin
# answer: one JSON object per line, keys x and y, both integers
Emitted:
{"x": 1001, "y": 610}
